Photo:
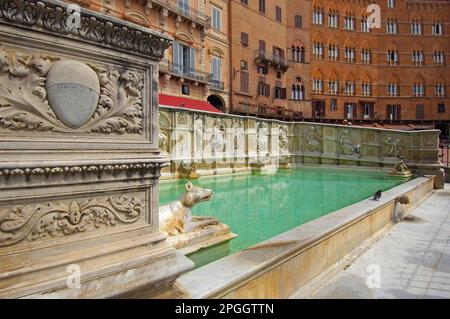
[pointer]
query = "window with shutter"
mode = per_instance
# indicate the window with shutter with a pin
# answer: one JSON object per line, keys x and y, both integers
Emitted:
{"x": 262, "y": 6}
{"x": 278, "y": 13}
{"x": 262, "y": 46}
{"x": 420, "y": 112}
{"x": 244, "y": 82}
{"x": 216, "y": 68}
{"x": 191, "y": 61}
{"x": 244, "y": 38}
{"x": 298, "y": 21}
{"x": 176, "y": 57}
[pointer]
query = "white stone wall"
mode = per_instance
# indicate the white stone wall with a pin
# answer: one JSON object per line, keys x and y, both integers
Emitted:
{"x": 222, "y": 143}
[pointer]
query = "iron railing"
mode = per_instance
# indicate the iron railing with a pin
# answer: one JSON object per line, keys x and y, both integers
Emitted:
{"x": 217, "y": 84}
{"x": 277, "y": 61}
{"x": 184, "y": 9}
{"x": 184, "y": 71}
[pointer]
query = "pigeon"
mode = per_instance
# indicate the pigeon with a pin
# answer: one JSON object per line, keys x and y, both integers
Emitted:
{"x": 377, "y": 195}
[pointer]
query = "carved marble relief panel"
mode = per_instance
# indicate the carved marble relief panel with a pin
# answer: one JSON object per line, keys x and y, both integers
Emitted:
{"x": 394, "y": 146}
{"x": 313, "y": 139}
{"x": 165, "y": 133}
{"x": 349, "y": 143}
{"x": 54, "y": 94}
{"x": 430, "y": 141}
{"x": 37, "y": 221}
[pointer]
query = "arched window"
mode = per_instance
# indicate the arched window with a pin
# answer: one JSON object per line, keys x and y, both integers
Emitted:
{"x": 298, "y": 90}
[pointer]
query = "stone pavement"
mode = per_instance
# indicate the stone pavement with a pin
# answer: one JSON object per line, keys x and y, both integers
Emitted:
{"x": 412, "y": 260}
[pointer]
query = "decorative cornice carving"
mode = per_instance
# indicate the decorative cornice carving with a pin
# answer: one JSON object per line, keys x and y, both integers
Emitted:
{"x": 51, "y": 16}
{"x": 74, "y": 169}
{"x": 66, "y": 218}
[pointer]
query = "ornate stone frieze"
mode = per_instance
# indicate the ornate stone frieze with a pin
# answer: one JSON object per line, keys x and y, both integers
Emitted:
{"x": 57, "y": 219}
{"x": 73, "y": 169}
{"x": 40, "y": 93}
{"x": 53, "y": 16}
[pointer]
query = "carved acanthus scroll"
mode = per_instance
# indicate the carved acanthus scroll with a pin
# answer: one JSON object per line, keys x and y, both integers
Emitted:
{"x": 24, "y": 105}
{"x": 66, "y": 218}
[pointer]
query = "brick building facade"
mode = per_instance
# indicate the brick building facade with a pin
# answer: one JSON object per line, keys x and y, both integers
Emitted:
{"x": 308, "y": 59}
{"x": 269, "y": 48}
{"x": 196, "y": 67}
{"x": 398, "y": 73}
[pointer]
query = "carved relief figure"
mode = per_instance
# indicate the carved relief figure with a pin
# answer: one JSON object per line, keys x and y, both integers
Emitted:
{"x": 283, "y": 139}
{"x": 198, "y": 133}
{"x": 312, "y": 140}
{"x": 180, "y": 144}
{"x": 164, "y": 132}
{"x": 237, "y": 131}
{"x": 401, "y": 167}
{"x": 393, "y": 147}
{"x": 263, "y": 139}
{"x": 176, "y": 217}
{"x": 163, "y": 142}
{"x": 346, "y": 145}
{"x": 218, "y": 138}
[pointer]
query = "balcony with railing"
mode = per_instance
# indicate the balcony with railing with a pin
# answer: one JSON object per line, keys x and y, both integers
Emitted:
{"x": 180, "y": 8}
{"x": 216, "y": 84}
{"x": 184, "y": 71}
{"x": 276, "y": 61}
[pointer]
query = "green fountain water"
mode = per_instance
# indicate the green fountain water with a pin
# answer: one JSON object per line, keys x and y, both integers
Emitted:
{"x": 258, "y": 207}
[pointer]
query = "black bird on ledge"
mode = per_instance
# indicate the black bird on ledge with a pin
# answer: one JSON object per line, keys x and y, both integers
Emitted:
{"x": 377, "y": 195}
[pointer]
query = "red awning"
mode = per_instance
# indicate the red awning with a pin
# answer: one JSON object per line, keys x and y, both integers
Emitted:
{"x": 182, "y": 102}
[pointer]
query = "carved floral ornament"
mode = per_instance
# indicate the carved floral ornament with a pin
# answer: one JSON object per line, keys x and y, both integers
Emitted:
{"x": 59, "y": 219}
{"x": 52, "y": 17}
{"x": 42, "y": 93}
{"x": 83, "y": 169}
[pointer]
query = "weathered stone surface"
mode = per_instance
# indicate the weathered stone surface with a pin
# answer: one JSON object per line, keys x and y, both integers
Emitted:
{"x": 266, "y": 145}
{"x": 80, "y": 163}
{"x": 73, "y": 90}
